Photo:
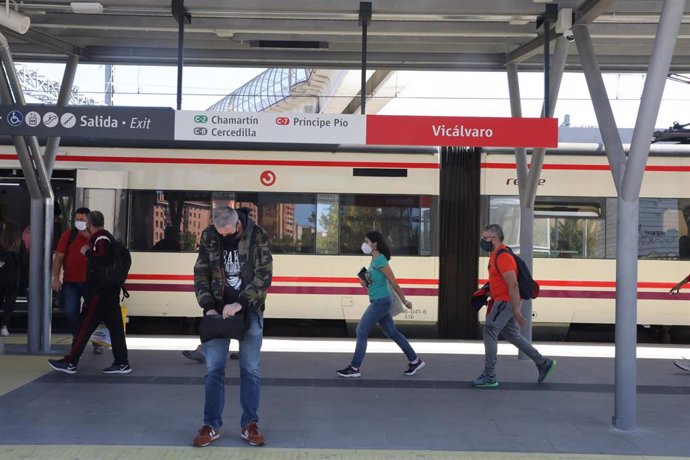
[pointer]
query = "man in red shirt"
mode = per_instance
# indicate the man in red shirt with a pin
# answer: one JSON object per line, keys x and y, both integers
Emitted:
{"x": 102, "y": 304}
{"x": 504, "y": 316}
{"x": 72, "y": 263}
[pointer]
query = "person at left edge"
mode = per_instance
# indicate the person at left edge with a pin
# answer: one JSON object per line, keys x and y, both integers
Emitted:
{"x": 101, "y": 304}
{"x": 233, "y": 272}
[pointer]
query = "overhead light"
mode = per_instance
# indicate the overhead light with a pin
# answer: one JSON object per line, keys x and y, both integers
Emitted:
{"x": 224, "y": 33}
{"x": 86, "y": 7}
{"x": 14, "y": 20}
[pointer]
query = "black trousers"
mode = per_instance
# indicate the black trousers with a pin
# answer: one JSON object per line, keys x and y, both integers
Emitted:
{"x": 102, "y": 305}
{"x": 8, "y": 298}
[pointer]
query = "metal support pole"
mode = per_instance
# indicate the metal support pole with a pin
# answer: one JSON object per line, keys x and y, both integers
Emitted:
{"x": 180, "y": 62}
{"x": 182, "y": 16}
{"x": 62, "y": 101}
{"x": 627, "y": 175}
{"x": 547, "y": 66}
{"x": 528, "y": 179}
{"x": 364, "y": 20}
{"x": 600, "y": 102}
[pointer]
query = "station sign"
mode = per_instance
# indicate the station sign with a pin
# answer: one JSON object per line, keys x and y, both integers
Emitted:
{"x": 271, "y": 127}
{"x": 102, "y": 122}
{"x": 155, "y": 123}
{"x": 462, "y": 131}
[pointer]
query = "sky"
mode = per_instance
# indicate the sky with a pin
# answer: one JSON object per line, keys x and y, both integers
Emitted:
{"x": 425, "y": 93}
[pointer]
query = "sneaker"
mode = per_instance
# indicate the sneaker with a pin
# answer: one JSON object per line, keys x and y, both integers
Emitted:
{"x": 413, "y": 368}
{"x": 97, "y": 349}
{"x": 546, "y": 368}
{"x": 194, "y": 355}
{"x": 4, "y": 332}
{"x": 252, "y": 435}
{"x": 683, "y": 364}
{"x": 485, "y": 381}
{"x": 349, "y": 372}
{"x": 117, "y": 369}
{"x": 205, "y": 436}
{"x": 61, "y": 365}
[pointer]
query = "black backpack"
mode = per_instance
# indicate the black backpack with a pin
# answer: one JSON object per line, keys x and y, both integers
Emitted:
{"x": 114, "y": 270}
{"x": 529, "y": 289}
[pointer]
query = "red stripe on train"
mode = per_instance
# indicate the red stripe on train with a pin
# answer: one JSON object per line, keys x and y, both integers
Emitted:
{"x": 425, "y": 292}
{"x": 324, "y": 290}
{"x": 283, "y": 279}
{"x": 586, "y": 167}
{"x": 237, "y": 161}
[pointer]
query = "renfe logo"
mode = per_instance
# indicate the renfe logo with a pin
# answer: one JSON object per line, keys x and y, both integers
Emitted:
{"x": 282, "y": 121}
{"x": 268, "y": 178}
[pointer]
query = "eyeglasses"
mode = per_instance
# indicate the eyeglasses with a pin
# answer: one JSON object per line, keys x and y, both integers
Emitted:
{"x": 488, "y": 238}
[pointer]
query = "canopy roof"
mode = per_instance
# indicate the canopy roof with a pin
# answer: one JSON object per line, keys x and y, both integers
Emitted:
{"x": 428, "y": 35}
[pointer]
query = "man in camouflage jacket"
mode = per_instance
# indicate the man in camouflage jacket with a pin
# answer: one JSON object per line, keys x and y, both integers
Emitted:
{"x": 232, "y": 274}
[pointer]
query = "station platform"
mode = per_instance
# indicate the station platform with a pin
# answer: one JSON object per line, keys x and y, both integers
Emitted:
{"x": 308, "y": 412}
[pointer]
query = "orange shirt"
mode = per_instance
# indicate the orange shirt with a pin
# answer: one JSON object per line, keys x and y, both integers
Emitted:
{"x": 506, "y": 263}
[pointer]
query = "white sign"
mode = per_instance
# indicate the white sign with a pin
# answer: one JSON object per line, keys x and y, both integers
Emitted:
{"x": 302, "y": 128}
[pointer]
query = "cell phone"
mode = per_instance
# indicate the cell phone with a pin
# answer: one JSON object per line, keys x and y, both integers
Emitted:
{"x": 363, "y": 275}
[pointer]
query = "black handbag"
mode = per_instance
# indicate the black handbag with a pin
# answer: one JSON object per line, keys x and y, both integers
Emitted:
{"x": 215, "y": 327}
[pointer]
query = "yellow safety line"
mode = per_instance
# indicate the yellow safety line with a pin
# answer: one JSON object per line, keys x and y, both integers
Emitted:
{"x": 18, "y": 370}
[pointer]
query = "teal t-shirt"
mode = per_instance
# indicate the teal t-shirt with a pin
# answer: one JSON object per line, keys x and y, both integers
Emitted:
{"x": 378, "y": 283}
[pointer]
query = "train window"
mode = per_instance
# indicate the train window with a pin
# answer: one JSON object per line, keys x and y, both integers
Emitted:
{"x": 398, "y": 218}
{"x": 327, "y": 223}
{"x": 288, "y": 218}
{"x": 174, "y": 220}
{"x": 563, "y": 227}
{"x": 664, "y": 224}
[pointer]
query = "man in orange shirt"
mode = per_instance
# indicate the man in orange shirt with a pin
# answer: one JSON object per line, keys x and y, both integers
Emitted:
{"x": 504, "y": 316}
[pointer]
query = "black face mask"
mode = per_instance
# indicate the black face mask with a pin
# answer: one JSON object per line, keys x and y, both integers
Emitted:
{"x": 486, "y": 245}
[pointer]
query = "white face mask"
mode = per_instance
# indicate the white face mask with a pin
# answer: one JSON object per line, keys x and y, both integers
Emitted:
{"x": 366, "y": 249}
{"x": 80, "y": 225}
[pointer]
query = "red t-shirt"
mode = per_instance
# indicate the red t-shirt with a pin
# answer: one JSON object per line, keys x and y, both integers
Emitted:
{"x": 74, "y": 263}
{"x": 506, "y": 263}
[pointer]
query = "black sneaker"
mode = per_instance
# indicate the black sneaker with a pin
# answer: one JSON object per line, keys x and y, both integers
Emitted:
{"x": 349, "y": 372}
{"x": 61, "y": 365}
{"x": 117, "y": 369}
{"x": 413, "y": 368}
{"x": 546, "y": 368}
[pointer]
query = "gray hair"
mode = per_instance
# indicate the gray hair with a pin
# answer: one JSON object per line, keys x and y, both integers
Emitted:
{"x": 495, "y": 228}
{"x": 96, "y": 219}
{"x": 224, "y": 216}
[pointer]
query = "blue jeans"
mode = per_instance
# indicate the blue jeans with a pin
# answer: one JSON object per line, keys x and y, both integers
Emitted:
{"x": 72, "y": 295}
{"x": 379, "y": 311}
{"x": 216, "y": 352}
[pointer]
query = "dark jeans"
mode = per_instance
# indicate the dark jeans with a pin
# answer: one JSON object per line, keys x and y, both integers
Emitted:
{"x": 101, "y": 306}
{"x": 72, "y": 295}
{"x": 8, "y": 298}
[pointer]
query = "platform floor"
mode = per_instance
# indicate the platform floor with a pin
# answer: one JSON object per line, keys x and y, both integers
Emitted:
{"x": 307, "y": 412}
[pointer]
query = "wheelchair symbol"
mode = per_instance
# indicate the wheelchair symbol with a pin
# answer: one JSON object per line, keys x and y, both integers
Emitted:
{"x": 15, "y": 118}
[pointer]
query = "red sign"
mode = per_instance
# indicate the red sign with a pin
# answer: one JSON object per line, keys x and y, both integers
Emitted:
{"x": 462, "y": 131}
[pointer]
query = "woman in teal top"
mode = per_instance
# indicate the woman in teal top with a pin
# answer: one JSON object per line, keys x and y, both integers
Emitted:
{"x": 379, "y": 281}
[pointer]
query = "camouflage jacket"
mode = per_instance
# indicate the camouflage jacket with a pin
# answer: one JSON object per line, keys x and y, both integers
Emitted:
{"x": 209, "y": 273}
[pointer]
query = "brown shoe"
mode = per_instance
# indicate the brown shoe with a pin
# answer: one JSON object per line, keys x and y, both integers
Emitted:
{"x": 206, "y": 436}
{"x": 252, "y": 434}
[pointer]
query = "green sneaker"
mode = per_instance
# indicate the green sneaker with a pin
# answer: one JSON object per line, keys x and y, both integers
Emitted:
{"x": 546, "y": 368}
{"x": 485, "y": 380}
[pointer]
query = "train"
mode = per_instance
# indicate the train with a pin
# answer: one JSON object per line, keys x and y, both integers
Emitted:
{"x": 317, "y": 204}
